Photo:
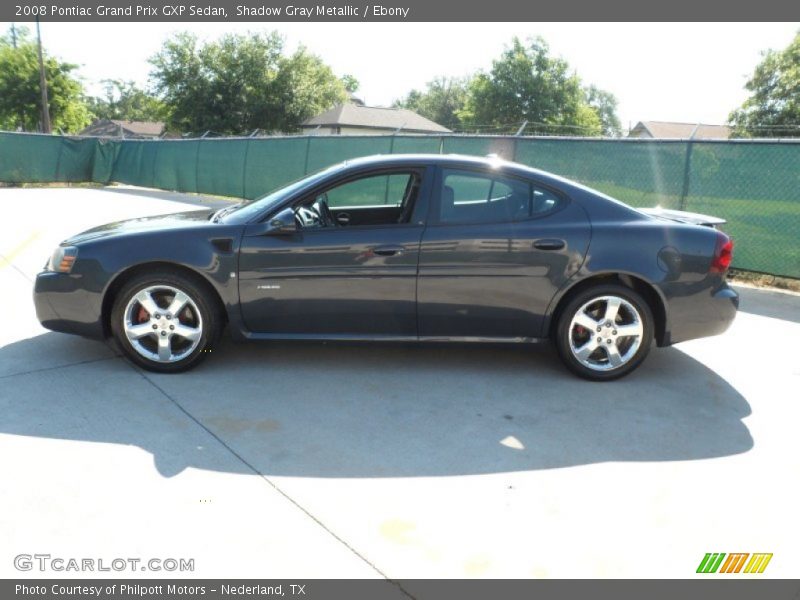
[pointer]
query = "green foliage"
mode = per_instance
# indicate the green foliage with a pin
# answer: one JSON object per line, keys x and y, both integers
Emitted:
{"x": 20, "y": 91}
{"x": 351, "y": 84}
{"x": 528, "y": 84}
{"x": 605, "y": 105}
{"x": 240, "y": 83}
{"x": 442, "y": 101}
{"x": 304, "y": 86}
{"x": 124, "y": 100}
{"x": 773, "y": 108}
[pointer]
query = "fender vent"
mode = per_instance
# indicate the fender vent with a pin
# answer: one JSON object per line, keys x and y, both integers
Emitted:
{"x": 223, "y": 245}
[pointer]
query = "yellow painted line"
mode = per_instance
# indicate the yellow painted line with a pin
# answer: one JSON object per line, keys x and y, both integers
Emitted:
{"x": 758, "y": 563}
{"x": 7, "y": 258}
{"x": 752, "y": 562}
{"x": 764, "y": 564}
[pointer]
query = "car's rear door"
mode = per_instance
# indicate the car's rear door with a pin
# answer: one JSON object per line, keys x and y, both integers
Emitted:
{"x": 496, "y": 249}
{"x": 357, "y": 279}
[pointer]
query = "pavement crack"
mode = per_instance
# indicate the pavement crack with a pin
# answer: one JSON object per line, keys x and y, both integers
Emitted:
{"x": 66, "y": 366}
{"x": 269, "y": 481}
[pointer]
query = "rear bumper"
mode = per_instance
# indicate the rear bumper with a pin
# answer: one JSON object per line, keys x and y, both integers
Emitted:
{"x": 700, "y": 316}
{"x": 61, "y": 305}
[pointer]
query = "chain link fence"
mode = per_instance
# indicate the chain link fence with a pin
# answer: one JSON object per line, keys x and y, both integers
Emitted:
{"x": 754, "y": 184}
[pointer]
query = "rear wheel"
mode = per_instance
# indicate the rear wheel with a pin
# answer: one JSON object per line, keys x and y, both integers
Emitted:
{"x": 604, "y": 332}
{"x": 164, "y": 321}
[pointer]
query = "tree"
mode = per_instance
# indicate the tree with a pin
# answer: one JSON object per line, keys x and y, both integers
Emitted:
{"x": 125, "y": 100}
{"x": 442, "y": 101}
{"x": 20, "y": 92}
{"x": 773, "y": 108}
{"x": 304, "y": 86}
{"x": 351, "y": 84}
{"x": 605, "y": 105}
{"x": 527, "y": 84}
{"x": 240, "y": 83}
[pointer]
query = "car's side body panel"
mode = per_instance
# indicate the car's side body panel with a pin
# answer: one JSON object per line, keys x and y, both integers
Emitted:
{"x": 671, "y": 258}
{"x": 331, "y": 281}
{"x": 447, "y": 282}
{"x": 74, "y": 303}
{"x": 495, "y": 280}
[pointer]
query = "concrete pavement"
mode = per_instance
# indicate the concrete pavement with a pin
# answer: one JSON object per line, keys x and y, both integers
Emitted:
{"x": 336, "y": 460}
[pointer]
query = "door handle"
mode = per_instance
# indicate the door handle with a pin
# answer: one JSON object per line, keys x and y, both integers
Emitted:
{"x": 549, "y": 244}
{"x": 388, "y": 250}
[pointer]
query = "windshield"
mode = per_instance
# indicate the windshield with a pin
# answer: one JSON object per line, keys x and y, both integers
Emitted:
{"x": 245, "y": 212}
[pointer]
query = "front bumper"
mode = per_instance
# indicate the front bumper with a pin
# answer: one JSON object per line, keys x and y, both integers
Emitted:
{"x": 63, "y": 305}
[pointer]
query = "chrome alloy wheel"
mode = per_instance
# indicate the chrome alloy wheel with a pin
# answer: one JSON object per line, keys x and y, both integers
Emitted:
{"x": 162, "y": 323}
{"x": 605, "y": 333}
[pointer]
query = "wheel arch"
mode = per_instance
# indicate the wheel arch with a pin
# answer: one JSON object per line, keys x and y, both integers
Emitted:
{"x": 126, "y": 275}
{"x": 649, "y": 292}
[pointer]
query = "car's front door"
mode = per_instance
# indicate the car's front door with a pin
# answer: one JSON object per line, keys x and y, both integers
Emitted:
{"x": 353, "y": 274}
{"x": 496, "y": 250}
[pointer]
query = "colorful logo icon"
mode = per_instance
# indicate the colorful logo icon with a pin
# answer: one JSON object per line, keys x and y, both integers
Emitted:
{"x": 713, "y": 562}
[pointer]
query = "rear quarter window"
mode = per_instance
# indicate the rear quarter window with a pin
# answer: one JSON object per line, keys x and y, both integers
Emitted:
{"x": 470, "y": 197}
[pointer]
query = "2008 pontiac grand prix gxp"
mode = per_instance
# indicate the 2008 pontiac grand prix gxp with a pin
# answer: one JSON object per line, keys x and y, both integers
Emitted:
{"x": 404, "y": 248}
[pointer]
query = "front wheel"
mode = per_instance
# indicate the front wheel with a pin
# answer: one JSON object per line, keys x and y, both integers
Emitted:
{"x": 164, "y": 321}
{"x": 604, "y": 332}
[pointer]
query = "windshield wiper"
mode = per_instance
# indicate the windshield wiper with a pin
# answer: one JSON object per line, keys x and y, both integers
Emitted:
{"x": 215, "y": 217}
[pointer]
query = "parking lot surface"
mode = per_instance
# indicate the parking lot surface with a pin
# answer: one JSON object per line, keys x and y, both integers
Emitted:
{"x": 400, "y": 461}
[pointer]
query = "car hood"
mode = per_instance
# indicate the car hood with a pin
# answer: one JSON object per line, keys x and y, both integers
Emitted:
{"x": 171, "y": 222}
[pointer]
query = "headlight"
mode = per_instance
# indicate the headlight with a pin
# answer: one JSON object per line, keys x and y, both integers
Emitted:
{"x": 62, "y": 259}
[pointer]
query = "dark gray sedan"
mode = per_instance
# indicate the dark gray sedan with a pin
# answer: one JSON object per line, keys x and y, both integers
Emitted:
{"x": 427, "y": 248}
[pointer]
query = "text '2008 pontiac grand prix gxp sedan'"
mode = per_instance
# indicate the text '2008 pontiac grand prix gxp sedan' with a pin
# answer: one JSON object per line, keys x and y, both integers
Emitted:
{"x": 400, "y": 248}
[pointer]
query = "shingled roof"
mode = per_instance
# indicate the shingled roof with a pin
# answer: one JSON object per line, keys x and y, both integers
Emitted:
{"x": 374, "y": 117}
{"x": 128, "y": 129}
{"x": 680, "y": 131}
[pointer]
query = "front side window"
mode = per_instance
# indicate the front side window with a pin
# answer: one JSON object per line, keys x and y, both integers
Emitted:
{"x": 468, "y": 197}
{"x": 379, "y": 199}
{"x": 376, "y": 190}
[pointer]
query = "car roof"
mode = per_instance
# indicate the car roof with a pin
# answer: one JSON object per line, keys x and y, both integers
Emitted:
{"x": 455, "y": 160}
{"x": 501, "y": 165}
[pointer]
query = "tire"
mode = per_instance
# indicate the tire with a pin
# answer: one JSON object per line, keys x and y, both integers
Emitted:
{"x": 164, "y": 321}
{"x": 620, "y": 345}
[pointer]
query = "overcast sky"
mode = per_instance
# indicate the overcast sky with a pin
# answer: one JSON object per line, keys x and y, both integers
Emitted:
{"x": 658, "y": 71}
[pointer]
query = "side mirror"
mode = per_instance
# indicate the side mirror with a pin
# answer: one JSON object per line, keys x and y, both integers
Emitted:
{"x": 283, "y": 223}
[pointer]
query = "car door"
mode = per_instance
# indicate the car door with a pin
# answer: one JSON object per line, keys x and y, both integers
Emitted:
{"x": 354, "y": 279}
{"x": 496, "y": 250}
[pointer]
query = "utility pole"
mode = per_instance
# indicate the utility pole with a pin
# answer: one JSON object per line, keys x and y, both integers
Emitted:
{"x": 14, "y": 36}
{"x": 43, "y": 83}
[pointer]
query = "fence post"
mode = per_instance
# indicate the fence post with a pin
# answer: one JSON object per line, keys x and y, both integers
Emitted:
{"x": 244, "y": 166}
{"x": 308, "y": 150}
{"x": 58, "y": 160}
{"x": 197, "y": 167}
{"x": 687, "y": 169}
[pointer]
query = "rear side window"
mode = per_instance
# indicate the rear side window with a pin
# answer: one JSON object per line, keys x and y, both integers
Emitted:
{"x": 468, "y": 197}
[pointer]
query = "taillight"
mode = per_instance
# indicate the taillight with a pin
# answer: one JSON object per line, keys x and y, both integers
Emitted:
{"x": 723, "y": 254}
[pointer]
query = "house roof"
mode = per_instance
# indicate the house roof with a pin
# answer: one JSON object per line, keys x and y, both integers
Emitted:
{"x": 112, "y": 127}
{"x": 374, "y": 117}
{"x": 671, "y": 130}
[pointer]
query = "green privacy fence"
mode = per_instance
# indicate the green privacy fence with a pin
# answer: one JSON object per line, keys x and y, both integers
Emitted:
{"x": 755, "y": 185}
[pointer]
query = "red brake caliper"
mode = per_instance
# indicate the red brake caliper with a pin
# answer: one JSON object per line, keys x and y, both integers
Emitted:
{"x": 142, "y": 315}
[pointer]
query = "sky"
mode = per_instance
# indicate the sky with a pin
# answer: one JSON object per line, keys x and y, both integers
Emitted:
{"x": 688, "y": 72}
